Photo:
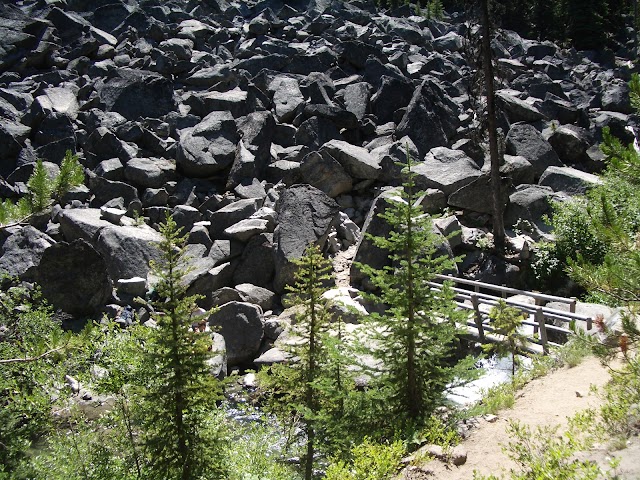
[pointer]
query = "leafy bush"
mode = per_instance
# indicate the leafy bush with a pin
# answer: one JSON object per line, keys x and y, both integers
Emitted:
{"x": 371, "y": 461}
{"x": 544, "y": 453}
{"x": 546, "y": 267}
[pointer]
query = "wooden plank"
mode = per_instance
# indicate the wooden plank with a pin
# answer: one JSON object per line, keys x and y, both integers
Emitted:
{"x": 489, "y": 286}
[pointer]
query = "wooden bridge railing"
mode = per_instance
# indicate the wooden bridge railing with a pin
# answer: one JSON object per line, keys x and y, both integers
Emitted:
{"x": 538, "y": 316}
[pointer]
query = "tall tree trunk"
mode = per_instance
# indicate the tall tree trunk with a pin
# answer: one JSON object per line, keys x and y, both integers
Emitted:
{"x": 635, "y": 27}
{"x": 498, "y": 220}
{"x": 311, "y": 373}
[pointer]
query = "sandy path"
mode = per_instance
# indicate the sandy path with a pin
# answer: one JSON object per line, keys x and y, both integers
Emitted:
{"x": 546, "y": 401}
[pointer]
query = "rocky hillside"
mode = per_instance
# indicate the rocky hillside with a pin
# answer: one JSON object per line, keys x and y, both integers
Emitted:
{"x": 263, "y": 126}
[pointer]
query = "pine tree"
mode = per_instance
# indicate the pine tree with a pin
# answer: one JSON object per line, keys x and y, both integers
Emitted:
{"x": 179, "y": 439}
{"x": 43, "y": 190}
{"x": 313, "y": 382}
{"x": 414, "y": 338}
{"x": 507, "y": 321}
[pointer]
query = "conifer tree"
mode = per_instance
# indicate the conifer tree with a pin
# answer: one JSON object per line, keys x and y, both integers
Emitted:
{"x": 43, "y": 190}
{"x": 181, "y": 394}
{"x": 507, "y": 322}
{"x": 414, "y": 338}
{"x": 311, "y": 384}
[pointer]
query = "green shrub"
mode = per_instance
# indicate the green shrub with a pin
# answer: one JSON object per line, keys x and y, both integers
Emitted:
{"x": 543, "y": 453}
{"x": 371, "y": 461}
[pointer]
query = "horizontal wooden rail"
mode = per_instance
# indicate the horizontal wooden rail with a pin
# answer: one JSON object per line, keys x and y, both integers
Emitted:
{"x": 538, "y": 297}
{"x": 536, "y": 315}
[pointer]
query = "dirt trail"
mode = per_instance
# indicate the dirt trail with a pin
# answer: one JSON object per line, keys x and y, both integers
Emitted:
{"x": 546, "y": 401}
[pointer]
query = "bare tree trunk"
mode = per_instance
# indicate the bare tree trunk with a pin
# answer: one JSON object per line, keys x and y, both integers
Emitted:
{"x": 635, "y": 27}
{"x": 498, "y": 220}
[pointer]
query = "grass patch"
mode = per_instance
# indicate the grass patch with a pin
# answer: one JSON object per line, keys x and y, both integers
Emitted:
{"x": 502, "y": 396}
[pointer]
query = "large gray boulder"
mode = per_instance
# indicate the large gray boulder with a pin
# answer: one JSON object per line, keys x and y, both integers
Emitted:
{"x": 325, "y": 173}
{"x": 73, "y": 277}
{"x": 209, "y": 147}
{"x": 518, "y": 110}
{"x": 287, "y": 97}
{"x": 257, "y": 295}
{"x": 569, "y": 180}
{"x": 445, "y": 169}
{"x": 431, "y": 117}
{"x": 524, "y": 140}
{"x": 570, "y": 143}
{"x": 150, "y": 172}
{"x": 356, "y": 161}
{"x": 256, "y": 265}
{"x": 82, "y": 223}
{"x": 305, "y": 216}
{"x": 12, "y": 138}
{"x": 136, "y": 94}
{"x": 528, "y": 202}
{"x": 356, "y": 98}
{"x": 231, "y": 214}
{"x": 367, "y": 253}
{"x": 21, "y": 252}
{"x": 128, "y": 250}
{"x": 241, "y": 325}
{"x": 477, "y": 196}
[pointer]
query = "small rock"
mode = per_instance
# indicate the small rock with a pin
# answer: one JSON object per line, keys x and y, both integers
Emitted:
{"x": 74, "y": 384}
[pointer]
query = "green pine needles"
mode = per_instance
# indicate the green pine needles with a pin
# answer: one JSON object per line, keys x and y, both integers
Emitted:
{"x": 179, "y": 438}
{"x": 415, "y": 337}
{"x": 44, "y": 190}
{"x": 311, "y": 388}
{"x": 506, "y": 321}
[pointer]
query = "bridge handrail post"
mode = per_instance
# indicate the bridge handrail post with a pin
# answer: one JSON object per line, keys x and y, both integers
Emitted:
{"x": 477, "y": 315}
{"x": 539, "y": 316}
{"x": 572, "y": 305}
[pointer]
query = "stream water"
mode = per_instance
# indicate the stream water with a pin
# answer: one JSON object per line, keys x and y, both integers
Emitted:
{"x": 495, "y": 371}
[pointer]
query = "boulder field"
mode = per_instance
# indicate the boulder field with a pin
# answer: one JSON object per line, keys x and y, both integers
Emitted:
{"x": 263, "y": 126}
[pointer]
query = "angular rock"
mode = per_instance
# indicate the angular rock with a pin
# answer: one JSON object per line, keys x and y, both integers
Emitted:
{"x": 325, "y": 173}
{"x": 526, "y": 141}
{"x": 256, "y": 265}
{"x": 287, "y": 97}
{"x": 569, "y": 180}
{"x": 150, "y": 172}
{"x": 137, "y": 94}
{"x": 209, "y": 147}
{"x": 477, "y": 196}
{"x": 518, "y": 110}
{"x": 570, "y": 143}
{"x": 445, "y": 169}
{"x": 528, "y": 202}
{"x": 431, "y": 117}
{"x": 12, "y": 138}
{"x": 245, "y": 229}
{"x": 257, "y": 295}
{"x": 305, "y": 216}
{"x": 84, "y": 223}
{"x": 73, "y": 277}
{"x": 105, "y": 190}
{"x": 356, "y": 99}
{"x": 231, "y": 214}
{"x": 128, "y": 250}
{"x": 22, "y": 250}
{"x": 241, "y": 325}
{"x": 356, "y": 161}
{"x": 451, "y": 42}
{"x": 316, "y": 131}
{"x": 518, "y": 169}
